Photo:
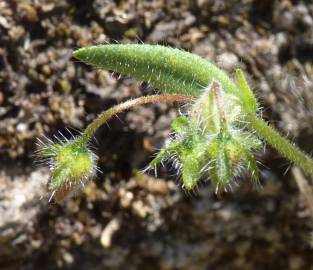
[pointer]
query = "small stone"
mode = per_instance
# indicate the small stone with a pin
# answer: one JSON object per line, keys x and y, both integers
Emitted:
{"x": 65, "y": 86}
{"x": 227, "y": 61}
{"x": 126, "y": 197}
{"x": 46, "y": 70}
{"x": 4, "y": 22}
{"x": 108, "y": 232}
{"x": 296, "y": 262}
{"x": 140, "y": 209}
{"x": 21, "y": 127}
{"x": 16, "y": 32}
{"x": 68, "y": 258}
{"x": 28, "y": 11}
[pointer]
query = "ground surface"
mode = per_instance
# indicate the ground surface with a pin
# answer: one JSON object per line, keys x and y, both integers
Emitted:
{"x": 125, "y": 220}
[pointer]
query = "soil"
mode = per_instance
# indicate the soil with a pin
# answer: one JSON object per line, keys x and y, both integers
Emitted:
{"x": 125, "y": 219}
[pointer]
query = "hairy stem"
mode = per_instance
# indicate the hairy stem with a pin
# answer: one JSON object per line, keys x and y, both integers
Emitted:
{"x": 282, "y": 145}
{"x": 106, "y": 115}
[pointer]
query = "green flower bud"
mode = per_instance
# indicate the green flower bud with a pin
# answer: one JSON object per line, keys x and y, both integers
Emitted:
{"x": 214, "y": 107}
{"x": 71, "y": 163}
{"x": 229, "y": 156}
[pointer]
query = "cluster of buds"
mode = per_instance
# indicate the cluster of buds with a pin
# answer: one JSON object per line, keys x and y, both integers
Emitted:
{"x": 211, "y": 141}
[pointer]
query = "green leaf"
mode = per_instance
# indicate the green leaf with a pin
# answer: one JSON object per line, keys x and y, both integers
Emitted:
{"x": 168, "y": 69}
{"x": 247, "y": 97}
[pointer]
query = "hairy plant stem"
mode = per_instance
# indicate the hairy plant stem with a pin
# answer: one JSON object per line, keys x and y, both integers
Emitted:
{"x": 106, "y": 115}
{"x": 282, "y": 145}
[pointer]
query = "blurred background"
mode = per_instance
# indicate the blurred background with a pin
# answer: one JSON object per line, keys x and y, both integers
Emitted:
{"x": 128, "y": 220}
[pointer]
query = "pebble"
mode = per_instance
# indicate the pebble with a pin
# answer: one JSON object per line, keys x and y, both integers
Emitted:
{"x": 228, "y": 61}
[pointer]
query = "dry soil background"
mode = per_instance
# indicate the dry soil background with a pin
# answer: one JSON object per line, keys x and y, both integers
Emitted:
{"x": 125, "y": 220}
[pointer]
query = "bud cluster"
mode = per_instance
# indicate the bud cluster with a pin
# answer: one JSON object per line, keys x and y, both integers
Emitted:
{"x": 211, "y": 141}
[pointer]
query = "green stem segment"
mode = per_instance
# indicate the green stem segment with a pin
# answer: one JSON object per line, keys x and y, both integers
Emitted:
{"x": 106, "y": 115}
{"x": 282, "y": 145}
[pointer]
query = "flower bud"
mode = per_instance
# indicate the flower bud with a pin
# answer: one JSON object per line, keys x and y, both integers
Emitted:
{"x": 71, "y": 163}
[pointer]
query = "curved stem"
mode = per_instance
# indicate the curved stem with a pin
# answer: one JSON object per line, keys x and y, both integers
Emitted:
{"x": 282, "y": 145}
{"x": 106, "y": 115}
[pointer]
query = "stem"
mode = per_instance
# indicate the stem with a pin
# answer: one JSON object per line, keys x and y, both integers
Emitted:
{"x": 282, "y": 145}
{"x": 106, "y": 115}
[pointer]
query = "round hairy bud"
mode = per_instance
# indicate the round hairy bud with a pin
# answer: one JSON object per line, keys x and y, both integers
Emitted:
{"x": 72, "y": 164}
